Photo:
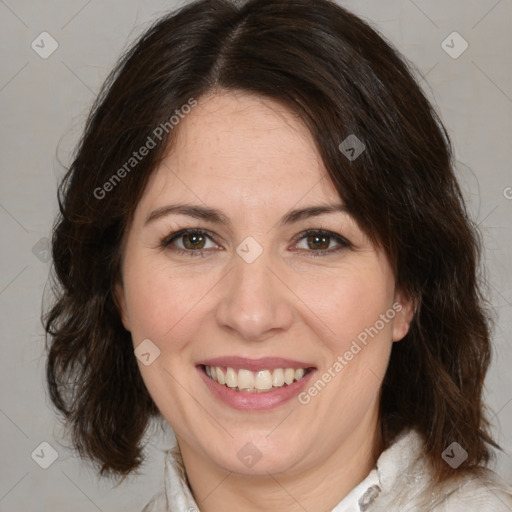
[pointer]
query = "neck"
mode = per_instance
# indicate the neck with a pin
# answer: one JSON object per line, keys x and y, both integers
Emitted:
{"x": 319, "y": 487}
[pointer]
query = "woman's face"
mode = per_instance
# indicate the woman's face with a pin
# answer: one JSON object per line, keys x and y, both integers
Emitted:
{"x": 265, "y": 286}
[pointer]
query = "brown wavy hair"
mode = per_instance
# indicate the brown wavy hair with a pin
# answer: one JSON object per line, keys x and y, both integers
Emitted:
{"x": 341, "y": 77}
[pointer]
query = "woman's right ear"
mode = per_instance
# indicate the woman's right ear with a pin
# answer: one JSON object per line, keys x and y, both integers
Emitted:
{"x": 120, "y": 303}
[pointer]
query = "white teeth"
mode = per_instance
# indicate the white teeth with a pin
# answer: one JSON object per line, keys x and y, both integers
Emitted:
{"x": 289, "y": 375}
{"x": 220, "y": 376}
{"x": 248, "y": 381}
{"x": 278, "y": 377}
{"x": 263, "y": 380}
{"x": 245, "y": 379}
{"x": 231, "y": 378}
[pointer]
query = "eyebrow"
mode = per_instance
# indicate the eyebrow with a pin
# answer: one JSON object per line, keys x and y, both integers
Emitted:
{"x": 217, "y": 217}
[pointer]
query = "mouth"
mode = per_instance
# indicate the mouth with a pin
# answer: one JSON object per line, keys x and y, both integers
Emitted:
{"x": 255, "y": 384}
{"x": 244, "y": 380}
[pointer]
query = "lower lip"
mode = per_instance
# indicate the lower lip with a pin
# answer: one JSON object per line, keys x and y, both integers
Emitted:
{"x": 254, "y": 401}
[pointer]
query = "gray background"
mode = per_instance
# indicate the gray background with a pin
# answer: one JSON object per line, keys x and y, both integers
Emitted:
{"x": 43, "y": 106}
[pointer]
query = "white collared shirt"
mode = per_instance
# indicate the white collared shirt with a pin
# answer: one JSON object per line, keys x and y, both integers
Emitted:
{"x": 400, "y": 482}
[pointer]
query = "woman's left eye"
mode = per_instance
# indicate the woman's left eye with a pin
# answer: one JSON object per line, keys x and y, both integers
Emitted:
{"x": 321, "y": 242}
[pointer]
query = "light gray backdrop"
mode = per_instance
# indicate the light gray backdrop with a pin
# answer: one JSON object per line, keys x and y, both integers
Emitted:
{"x": 44, "y": 99}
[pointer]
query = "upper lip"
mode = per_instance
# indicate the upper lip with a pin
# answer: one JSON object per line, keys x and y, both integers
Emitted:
{"x": 264, "y": 363}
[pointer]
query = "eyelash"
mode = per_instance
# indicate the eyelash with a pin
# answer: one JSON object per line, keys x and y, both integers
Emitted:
{"x": 167, "y": 241}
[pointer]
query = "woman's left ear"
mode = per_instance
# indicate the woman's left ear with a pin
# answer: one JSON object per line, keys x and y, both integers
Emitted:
{"x": 121, "y": 305}
{"x": 405, "y": 308}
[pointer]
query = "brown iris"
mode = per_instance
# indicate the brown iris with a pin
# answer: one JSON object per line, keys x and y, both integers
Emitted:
{"x": 193, "y": 241}
{"x": 318, "y": 242}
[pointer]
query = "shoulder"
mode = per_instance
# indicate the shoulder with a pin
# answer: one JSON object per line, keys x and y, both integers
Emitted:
{"x": 407, "y": 482}
{"x": 482, "y": 492}
{"x": 158, "y": 503}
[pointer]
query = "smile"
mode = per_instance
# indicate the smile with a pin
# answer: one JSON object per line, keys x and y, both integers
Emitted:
{"x": 254, "y": 384}
{"x": 247, "y": 381}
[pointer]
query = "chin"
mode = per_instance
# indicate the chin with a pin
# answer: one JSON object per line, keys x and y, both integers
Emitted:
{"x": 260, "y": 456}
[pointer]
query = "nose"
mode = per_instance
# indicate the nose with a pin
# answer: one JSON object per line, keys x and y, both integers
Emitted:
{"x": 255, "y": 302}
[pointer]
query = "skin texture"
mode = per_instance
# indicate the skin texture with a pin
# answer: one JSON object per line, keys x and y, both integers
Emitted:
{"x": 255, "y": 161}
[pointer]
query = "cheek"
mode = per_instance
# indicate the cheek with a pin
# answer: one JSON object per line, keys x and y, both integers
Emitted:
{"x": 167, "y": 307}
{"x": 163, "y": 301}
{"x": 357, "y": 342}
{"x": 350, "y": 304}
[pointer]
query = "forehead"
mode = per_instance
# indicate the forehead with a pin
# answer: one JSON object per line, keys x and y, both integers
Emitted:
{"x": 241, "y": 151}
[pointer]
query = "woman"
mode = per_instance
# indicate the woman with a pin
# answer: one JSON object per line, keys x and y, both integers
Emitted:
{"x": 262, "y": 241}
